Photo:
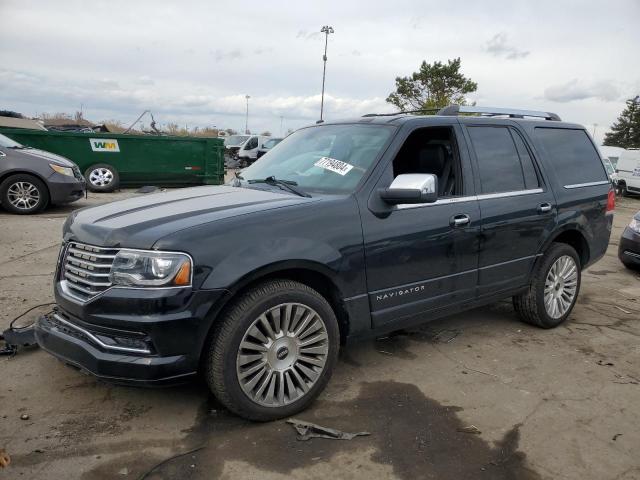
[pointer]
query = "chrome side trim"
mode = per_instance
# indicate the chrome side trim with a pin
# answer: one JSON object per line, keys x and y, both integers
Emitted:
{"x": 470, "y": 198}
{"x": 516, "y": 193}
{"x": 588, "y": 184}
{"x": 97, "y": 340}
{"x": 631, "y": 254}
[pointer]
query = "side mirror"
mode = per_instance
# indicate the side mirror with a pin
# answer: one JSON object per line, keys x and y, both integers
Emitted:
{"x": 411, "y": 188}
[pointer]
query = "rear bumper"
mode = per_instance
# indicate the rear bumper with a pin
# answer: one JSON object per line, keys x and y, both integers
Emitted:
{"x": 63, "y": 189}
{"x": 629, "y": 248}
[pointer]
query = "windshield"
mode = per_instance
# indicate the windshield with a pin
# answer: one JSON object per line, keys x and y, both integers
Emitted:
{"x": 328, "y": 159}
{"x": 271, "y": 143}
{"x": 6, "y": 142}
{"x": 608, "y": 166}
{"x": 235, "y": 140}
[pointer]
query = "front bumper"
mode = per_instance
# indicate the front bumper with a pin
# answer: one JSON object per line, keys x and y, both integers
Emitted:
{"x": 131, "y": 336}
{"x": 629, "y": 248}
{"x": 64, "y": 189}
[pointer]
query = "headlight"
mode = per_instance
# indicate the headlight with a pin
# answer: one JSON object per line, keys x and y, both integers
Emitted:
{"x": 68, "y": 171}
{"x": 136, "y": 268}
{"x": 635, "y": 225}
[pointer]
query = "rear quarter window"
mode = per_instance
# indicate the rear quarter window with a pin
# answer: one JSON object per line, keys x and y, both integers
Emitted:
{"x": 572, "y": 155}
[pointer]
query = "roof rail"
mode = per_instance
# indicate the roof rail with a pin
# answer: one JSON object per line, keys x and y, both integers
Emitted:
{"x": 454, "y": 110}
{"x": 403, "y": 112}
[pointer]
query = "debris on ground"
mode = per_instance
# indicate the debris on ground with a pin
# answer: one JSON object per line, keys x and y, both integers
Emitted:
{"x": 19, "y": 336}
{"x": 307, "y": 431}
{"x": 604, "y": 364}
{"x": 470, "y": 429}
{"x": 147, "y": 189}
{"x": 5, "y": 460}
{"x": 24, "y": 416}
{"x": 615, "y": 437}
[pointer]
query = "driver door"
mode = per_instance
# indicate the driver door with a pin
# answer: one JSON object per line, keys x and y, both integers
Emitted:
{"x": 423, "y": 257}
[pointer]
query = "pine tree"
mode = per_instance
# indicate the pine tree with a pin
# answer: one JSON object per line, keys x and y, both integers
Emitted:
{"x": 625, "y": 132}
{"x": 432, "y": 87}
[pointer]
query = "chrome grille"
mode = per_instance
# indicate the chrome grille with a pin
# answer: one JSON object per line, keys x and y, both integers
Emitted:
{"x": 86, "y": 269}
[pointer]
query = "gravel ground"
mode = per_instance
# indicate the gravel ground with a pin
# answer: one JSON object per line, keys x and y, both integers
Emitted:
{"x": 476, "y": 395}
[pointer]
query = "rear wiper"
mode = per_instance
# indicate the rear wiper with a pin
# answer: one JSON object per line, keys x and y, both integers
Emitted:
{"x": 286, "y": 184}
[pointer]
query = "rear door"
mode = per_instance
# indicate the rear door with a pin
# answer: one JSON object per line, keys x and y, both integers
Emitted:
{"x": 516, "y": 205}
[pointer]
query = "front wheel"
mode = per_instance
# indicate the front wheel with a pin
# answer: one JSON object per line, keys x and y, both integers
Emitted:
{"x": 23, "y": 194}
{"x": 554, "y": 288}
{"x": 274, "y": 351}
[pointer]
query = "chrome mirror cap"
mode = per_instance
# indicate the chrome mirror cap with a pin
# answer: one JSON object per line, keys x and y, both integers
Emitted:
{"x": 411, "y": 188}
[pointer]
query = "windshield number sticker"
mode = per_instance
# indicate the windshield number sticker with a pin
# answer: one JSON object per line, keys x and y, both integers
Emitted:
{"x": 333, "y": 165}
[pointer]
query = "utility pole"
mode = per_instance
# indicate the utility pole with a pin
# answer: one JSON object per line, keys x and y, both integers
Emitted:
{"x": 326, "y": 30}
{"x": 281, "y": 118}
{"x": 246, "y": 122}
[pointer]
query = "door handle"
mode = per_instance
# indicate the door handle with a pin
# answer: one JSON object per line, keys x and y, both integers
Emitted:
{"x": 459, "y": 220}
{"x": 544, "y": 207}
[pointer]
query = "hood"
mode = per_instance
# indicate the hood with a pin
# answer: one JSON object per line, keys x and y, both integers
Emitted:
{"x": 48, "y": 156}
{"x": 140, "y": 222}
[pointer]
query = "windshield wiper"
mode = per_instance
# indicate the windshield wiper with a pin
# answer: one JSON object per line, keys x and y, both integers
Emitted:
{"x": 286, "y": 184}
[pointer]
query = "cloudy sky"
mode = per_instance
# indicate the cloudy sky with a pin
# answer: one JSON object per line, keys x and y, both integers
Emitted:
{"x": 193, "y": 62}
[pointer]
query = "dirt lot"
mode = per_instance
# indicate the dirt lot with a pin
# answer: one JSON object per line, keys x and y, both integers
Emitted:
{"x": 552, "y": 404}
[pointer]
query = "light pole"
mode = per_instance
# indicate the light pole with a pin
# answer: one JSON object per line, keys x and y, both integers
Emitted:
{"x": 246, "y": 122}
{"x": 326, "y": 30}
{"x": 281, "y": 119}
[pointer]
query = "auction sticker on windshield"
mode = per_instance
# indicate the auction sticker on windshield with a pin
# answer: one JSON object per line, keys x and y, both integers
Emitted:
{"x": 336, "y": 166}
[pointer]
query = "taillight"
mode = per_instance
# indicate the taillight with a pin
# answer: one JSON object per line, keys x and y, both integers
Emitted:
{"x": 611, "y": 201}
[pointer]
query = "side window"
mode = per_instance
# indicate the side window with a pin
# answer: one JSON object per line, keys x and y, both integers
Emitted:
{"x": 253, "y": 143}
{"x": 432, "y": 150}
{"x": 498, "y": 160}
{"x": 528, "y": 169}
{"x": 573, "y": 156}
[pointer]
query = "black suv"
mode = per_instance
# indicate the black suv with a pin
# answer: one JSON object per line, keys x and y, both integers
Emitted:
{"x": 345, "y": 230}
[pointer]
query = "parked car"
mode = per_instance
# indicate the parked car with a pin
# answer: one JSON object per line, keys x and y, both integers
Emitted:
{"x": 248, "y": 152}
{"x": 268, "y": 145}
{"x": 629, "y": 246}
{"x": 345, "y": 230}
{"x": 232, "y": 144}
{"x": 628, "y": 171}
{"x": 31, "y": 179}
{"x": 111, "y": 160}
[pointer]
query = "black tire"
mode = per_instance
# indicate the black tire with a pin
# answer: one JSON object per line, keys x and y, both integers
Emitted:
{"x": 93, "y": 186}
{"x": 224, "y": 346}
{"x": 39, "y": 185}
{"x": 530, "y": 305}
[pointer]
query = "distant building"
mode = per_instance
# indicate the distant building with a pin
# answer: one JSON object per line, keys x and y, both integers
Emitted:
{"x": 13, "y": 122}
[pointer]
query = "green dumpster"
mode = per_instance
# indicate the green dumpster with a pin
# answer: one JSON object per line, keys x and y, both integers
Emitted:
{"x": 109, "y": 159}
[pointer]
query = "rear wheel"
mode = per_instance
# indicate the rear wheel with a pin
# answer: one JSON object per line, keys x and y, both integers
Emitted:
{"x": 24, "y": 194}
{"x": 554, "y": 288}
{"x": 274, "y": 351}
{"x": 102, "y": 177}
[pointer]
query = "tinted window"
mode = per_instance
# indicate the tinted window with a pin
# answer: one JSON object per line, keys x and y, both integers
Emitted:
{"x": 572, "y": 154}
{"x": 528, "y": 169}
{"x": 498, "y": 160}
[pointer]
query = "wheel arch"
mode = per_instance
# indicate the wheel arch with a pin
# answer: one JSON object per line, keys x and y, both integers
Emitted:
{"x": 573, "y": 236}
{"x": 313, "y": 274}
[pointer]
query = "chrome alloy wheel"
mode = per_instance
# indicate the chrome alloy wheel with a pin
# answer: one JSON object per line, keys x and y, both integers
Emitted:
{"x": 282, "y": 354}
{"x": 23, "y": 195}
{"x": 101, "y": 177}
{"x": 560, "y": 286}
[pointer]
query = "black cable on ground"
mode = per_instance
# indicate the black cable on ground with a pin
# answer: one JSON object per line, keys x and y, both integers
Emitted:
{"x": 167, "y": 460}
